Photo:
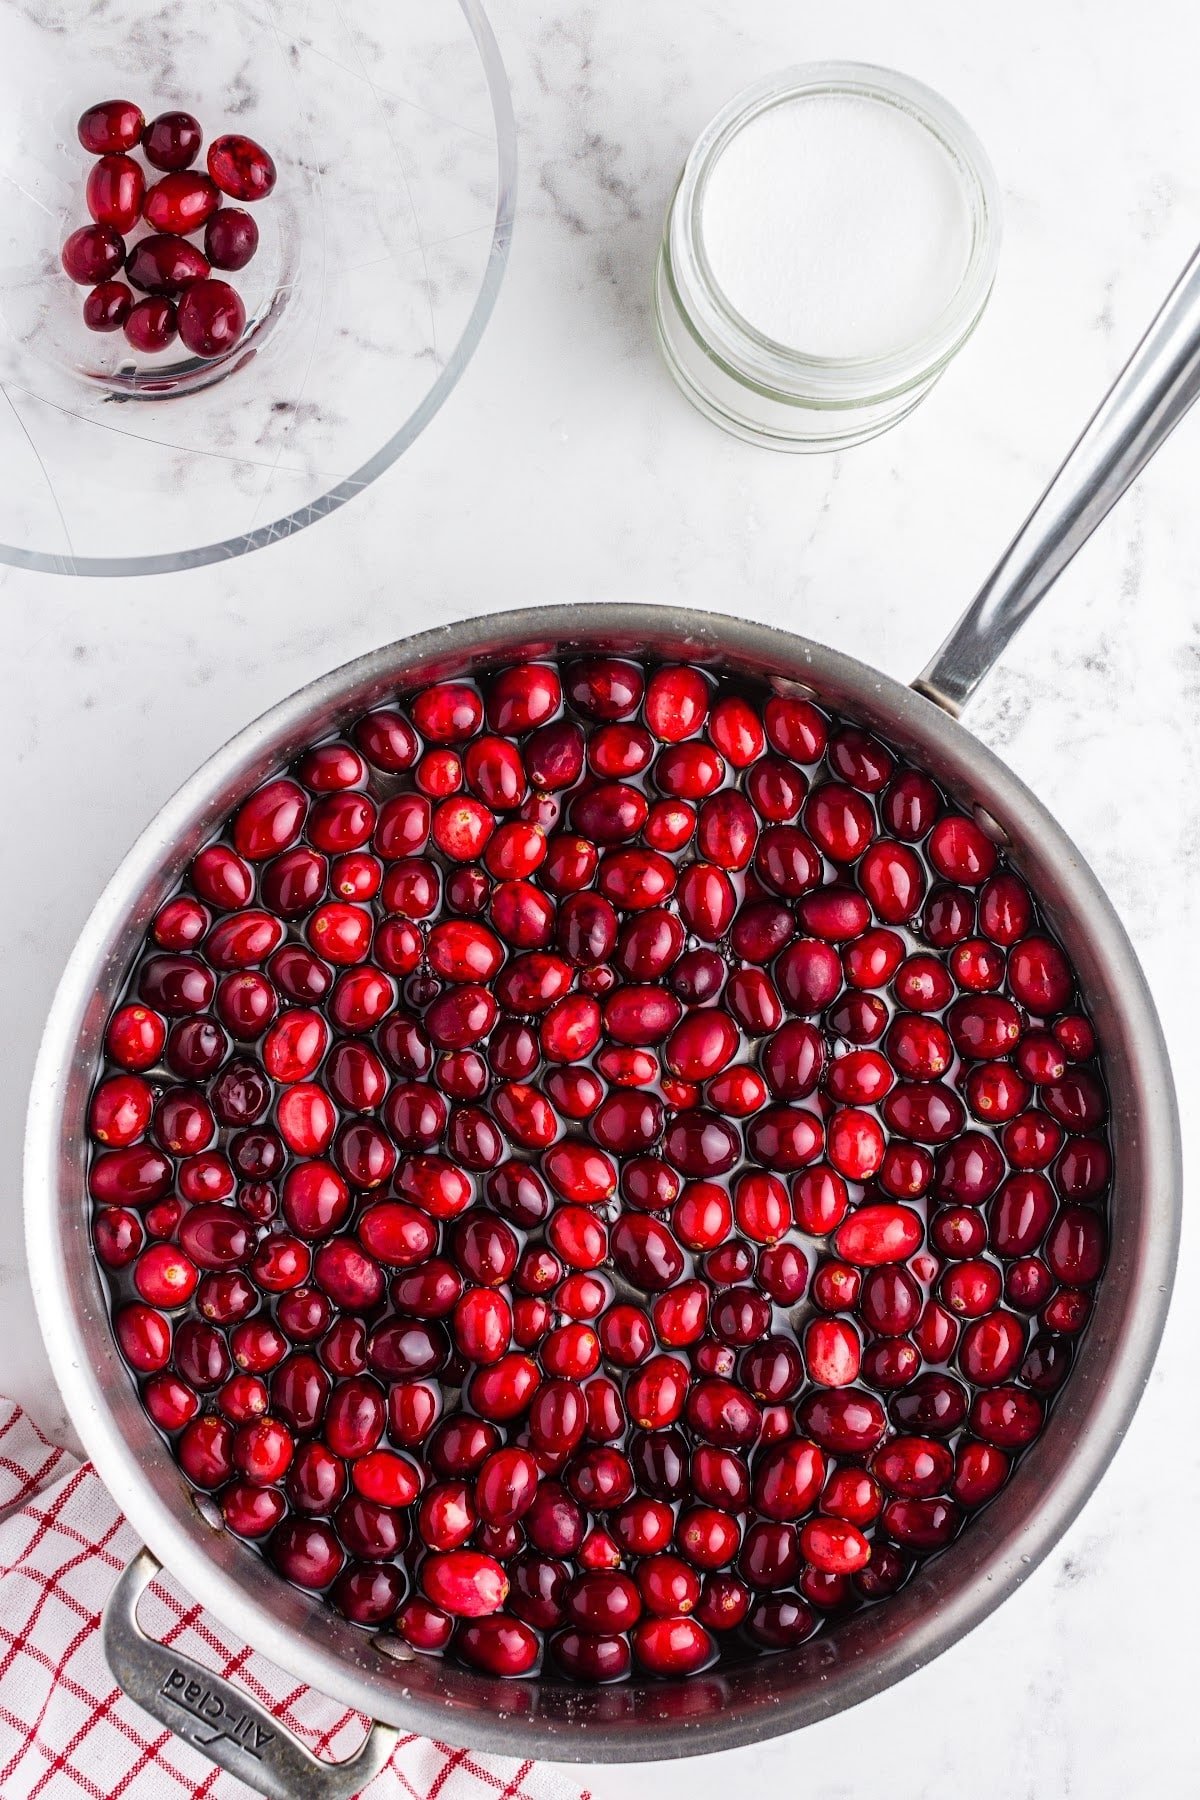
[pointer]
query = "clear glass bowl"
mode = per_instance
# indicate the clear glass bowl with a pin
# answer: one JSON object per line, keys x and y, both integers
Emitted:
{"x": 381, "y": 253}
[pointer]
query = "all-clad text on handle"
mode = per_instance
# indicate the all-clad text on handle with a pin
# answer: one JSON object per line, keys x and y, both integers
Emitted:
{"x": 219, "y": 1719}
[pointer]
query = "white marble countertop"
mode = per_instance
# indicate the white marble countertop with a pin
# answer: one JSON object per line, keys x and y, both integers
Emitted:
{"x": 567, "y": 467}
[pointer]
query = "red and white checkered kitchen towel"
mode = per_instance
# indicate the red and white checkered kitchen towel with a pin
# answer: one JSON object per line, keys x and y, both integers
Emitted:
{"x": 67, "y": 1730}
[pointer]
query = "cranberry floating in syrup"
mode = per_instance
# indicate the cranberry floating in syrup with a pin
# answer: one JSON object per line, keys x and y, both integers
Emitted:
{"x": 584, "y": 1239}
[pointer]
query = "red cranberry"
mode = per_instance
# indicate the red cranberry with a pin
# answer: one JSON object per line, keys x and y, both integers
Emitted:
{"x": 110, "y": 125}
{"x": 853, "y": 1495}
{"x": 211, "y": 317}
{"x": 151, "y": 325}
{"x": 262, "y": 1452}
{"x": 810, "y": 975}
{"x": 1008, "y": 1417}
{"x": 934, "y": 1405}
{"x": 163, "y": 264}
{"x": 590, "y": 1657}
{"x": 910, "y": 805}
{"x": 464, "y": 1583}
{"x": 1032, "y": 1140}
{"x": 367, "y": 1594}
{"x": 788, "y": 1480}
{"x": 93, "y": 254}
{"x": 832, "y": 1352}
{"x": 834, "y": 913}
{"x": 120, "y": 1110}
{"x": 779, "y": 1621}
{"x": 770, "y": 1555}
{"x": 636, "y": 879}
{"x": 180, "y": 202}
{"x": 646, "y": 1253}
{"x": 605, "y": 688}
{"x": 724, "y": 1602}
{"x": 906, "y": 1171}
{"x": 240, "y": 167}
{"x": 1020, "y": 1214}
{"x": 230, "y": 238}
{"x": 845, "y": 1421}
{"x": 727, "y": 830}
{"x": 170, "y": 1402}
{"x": 840, "y": 821}
{"x": 949, "y": 916}
{"x": 135, "y": 1037}
{"x": 834, "y": 1546}
{"x": 1068, "y": 1312}
{"x": 1076, "y": 1246}
{"x": 501, "y": 1647}
{"x": 893, "y": 880}
{"x": 343, "y": 1348}
{"x": 505, "y": 1390}
{"x": 164, "y": 1276}
{"x": 603, "y": 1602}
{"x": 1005, "y": 908}
{"x": 135, "y": 1176}
{"x": 776, "y": 790}
{"x": 223, "y": 1297}
{"x": 117, "y": 1235}
{"x": 306, "y": 1552}
{"x": 959, "y": 850}
{"x": 425, "y": 1627}
{"x": 922, "y": 1524}
{"x": 144, "y": 1336}
{"x": 980, "y": 1471}
{"x": 1039, "y": 975}
{"x": 171, "y": 141}
{"x": 115, "y": 186}
{"x": 205, "y": 1451}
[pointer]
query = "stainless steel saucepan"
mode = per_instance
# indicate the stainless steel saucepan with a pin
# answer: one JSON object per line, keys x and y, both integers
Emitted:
{"x": 946, "y": 1597}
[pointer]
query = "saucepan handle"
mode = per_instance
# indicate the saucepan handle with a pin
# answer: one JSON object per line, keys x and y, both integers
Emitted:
{"x": 1145, "y": 403}
{"x": 218, "y": 1719}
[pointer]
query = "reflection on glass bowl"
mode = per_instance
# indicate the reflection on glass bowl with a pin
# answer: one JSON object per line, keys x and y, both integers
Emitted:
{"x": 381, "y": 253}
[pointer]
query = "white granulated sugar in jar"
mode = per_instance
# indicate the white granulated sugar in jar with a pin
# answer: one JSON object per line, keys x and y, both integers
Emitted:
{"x": 836, "y": 225}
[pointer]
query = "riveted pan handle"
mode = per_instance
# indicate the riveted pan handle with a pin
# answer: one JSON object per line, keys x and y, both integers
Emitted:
{"x": 1149, "y": 397}
{"x": 219, "y": 1719}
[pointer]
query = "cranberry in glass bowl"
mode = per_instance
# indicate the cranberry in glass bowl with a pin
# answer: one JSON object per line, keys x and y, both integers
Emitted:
{"x": 208, "y": 316}
{"x": 652, "y": 1246}
{"x": 364, "y": 299}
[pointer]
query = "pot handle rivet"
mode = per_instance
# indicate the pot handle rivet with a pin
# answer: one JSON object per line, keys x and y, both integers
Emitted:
{"x": 991, "y": 826}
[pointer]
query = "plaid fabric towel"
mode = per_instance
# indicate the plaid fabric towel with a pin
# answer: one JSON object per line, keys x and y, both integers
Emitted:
{"x": 67, "y": 1730}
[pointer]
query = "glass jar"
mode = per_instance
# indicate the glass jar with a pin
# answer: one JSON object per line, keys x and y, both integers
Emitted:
{"x": 775, "y": 393}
